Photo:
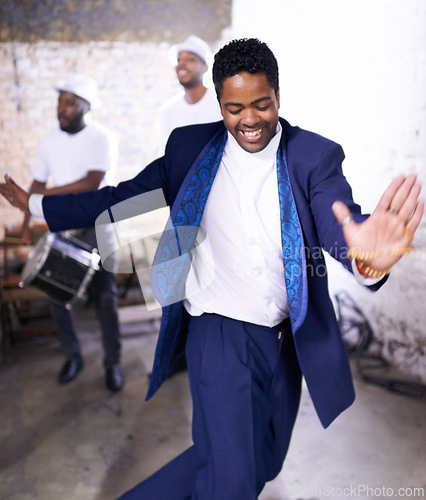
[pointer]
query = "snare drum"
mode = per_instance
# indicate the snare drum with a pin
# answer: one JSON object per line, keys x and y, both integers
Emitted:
{"x": 60, "y": 266}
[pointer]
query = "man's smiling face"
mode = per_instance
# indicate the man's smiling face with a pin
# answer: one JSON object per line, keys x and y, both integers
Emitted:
{"x": 190, "y": 69}
{"x": 249, "y": 107}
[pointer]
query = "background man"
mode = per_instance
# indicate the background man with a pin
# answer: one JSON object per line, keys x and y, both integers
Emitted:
{"x": 196, "y": 103}
{"x": 81, "y": 155}
{"x": 270, "y": 197}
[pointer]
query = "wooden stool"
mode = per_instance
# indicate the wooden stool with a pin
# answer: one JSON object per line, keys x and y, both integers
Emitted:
{"x": 15, "y": 309}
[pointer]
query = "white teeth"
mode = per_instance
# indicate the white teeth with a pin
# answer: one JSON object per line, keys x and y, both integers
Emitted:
{"x": 252, "y": 134}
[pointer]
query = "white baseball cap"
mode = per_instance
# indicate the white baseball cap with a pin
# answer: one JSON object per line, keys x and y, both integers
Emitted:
{"x": 82, "y": 86}
{"x": 191, "y": 44}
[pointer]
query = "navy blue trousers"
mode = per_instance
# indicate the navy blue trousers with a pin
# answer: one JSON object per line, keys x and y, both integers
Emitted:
{"x": 245, "y": 383}
{"x": 103, "y": 291}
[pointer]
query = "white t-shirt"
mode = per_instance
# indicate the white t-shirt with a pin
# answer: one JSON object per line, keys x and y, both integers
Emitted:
{"x": 177, "y": 112}
{"x": 65, "y": 158}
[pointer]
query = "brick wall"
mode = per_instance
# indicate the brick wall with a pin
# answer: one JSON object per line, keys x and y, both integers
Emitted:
{"x": 123, "y": 45}
{"x": 133, "y": 79}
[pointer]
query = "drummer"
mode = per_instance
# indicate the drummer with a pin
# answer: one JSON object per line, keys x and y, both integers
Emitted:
{"x": 80, "y": 155}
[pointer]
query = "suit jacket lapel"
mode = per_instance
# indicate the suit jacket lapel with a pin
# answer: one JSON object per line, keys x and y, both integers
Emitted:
{"x": 294, "y": 258}
{"x": 174, "y": 254}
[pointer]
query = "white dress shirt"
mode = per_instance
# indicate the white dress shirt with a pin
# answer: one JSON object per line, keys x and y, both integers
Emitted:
{"x": 243, "y": 275}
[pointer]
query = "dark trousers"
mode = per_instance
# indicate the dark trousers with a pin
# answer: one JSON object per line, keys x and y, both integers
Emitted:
{"x": 103, "y": 291}
{"x": 245, "y": 385}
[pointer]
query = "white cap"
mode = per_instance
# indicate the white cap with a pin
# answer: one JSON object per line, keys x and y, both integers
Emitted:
{"x": 191, "y": 44}
{"x": 82, "y": 86}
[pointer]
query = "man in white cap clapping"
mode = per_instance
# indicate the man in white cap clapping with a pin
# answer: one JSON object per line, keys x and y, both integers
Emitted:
{"x": 80, "y": 155}
{"x": 195, "y": 103}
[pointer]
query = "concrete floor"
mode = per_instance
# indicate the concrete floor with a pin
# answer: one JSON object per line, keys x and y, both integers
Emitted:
{"x": 80, "y": 442}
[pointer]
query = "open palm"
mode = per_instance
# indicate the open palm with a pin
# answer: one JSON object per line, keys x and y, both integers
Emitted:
{"x": 382, "y": 239}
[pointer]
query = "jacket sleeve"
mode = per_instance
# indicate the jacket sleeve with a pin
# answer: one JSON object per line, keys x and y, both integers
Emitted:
{"x": 74, "y": 211}
{"x": 166, "y": 173}
{"x": 328, "y": 184}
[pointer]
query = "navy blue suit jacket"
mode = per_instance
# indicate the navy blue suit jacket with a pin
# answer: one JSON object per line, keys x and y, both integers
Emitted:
{"x": 315, "y": 172}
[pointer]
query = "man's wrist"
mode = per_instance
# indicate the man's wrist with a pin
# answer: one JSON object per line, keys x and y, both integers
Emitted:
{"x": 367, "y": 271}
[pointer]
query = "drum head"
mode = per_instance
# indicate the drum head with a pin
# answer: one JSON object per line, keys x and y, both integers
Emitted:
{"x": 36, "y": 258}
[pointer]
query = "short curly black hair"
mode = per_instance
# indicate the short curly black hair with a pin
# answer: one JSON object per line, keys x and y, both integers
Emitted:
{"x": 244, "y": 55}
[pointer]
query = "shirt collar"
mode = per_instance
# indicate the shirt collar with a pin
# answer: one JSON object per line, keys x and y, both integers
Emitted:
{"x": 268, "y": 154}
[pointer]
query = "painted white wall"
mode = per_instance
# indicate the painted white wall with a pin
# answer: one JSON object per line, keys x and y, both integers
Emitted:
{"x": 355, "y": 71}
